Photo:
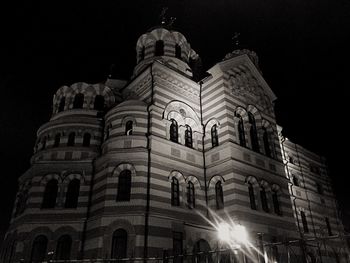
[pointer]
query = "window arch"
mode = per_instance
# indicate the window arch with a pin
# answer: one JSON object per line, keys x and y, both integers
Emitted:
{"x": 295, "y": 180}
{"x": 191, "y": 199}
{"x": 62, "y": 104}
{"x": 63, "y": 248}
{"x": 188, "y": 136}
{"x": 119, "y": 244}
{"x": 129, "y": 127}
{"x": 159, "y": 48}
{"x": 175, "y": 192}
{"x": 263, "y": 197}
{"x": 329, "y": 228}
{"x": 78, "y": 101}
{"x": 86, "y": 139}
{"x": 57, "y": 140}
{"x": 72, "y": 194}
{"x": 124, "y": 186}
{"x": 39, "y": 249}
{"x": 43, "y": 143}
{"x": 240, "y": 127}
{"x": 178, "y": 51}
{"x": 253, "y": 133}
{"x": 71, "y": 139}
{"x": 251, "y": 196}
{"x": 266, "y": 142}
{"x": 99, "y": 103}
{"x": 304, "y": 222}
{"x": 214, "y": 136}
{"x": 50, "y": 194}
{"x": 219, "y": 195}
{"x": 174, "y": 131}
{"x": 142, "y": 53}
{"x": 276, "y": 203}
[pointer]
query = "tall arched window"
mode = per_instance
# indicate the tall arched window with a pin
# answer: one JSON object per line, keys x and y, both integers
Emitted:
{"x": 119, "y": 244}
{"x": 72, "y": 195}
{"x": 276, "y": 203}
{"x": 188, "y": 136}
{"x": 251, "y": 196}
{"x": 159, "y": 49}
{"x": 62, "y": 104}
{"x": 78, "y": 101}
{"x": 177, "y": 51}
{"x": 173, "y": 131}
{"x": 295, "y": 180}
{"x": 214, "y": 136}
{"x": 142, "y": 53}
{"x": 43, "y": 143}
{"x": 175, "y": 193}
{"x": 71, "y": 139}
{"x": 304, "y": 222}
{"x": 191, "y": 201}
{"x": 124, "y": 186}
{"x": 266, "y": 142}
{"x": 99, "y": 103}
{"x": 128, "y": 127}
{"x": 263, "y": 197}
{"x": 63, "y": 248}
{"x": 57, "y": 140}
{"x": 329, "y": 229}
{"x": 86, "y": 139}
{"x": 38, "y": 249}
{"x": 240, "y": 127}
{"x": 253, "y": 133}
{"x": 219, "y": 195}
{"x": 50, "y": 194}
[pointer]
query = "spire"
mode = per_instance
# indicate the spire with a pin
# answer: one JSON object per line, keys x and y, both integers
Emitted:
{"x": 164, "y": 20}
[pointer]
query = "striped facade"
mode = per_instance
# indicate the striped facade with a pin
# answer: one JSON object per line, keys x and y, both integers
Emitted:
{"x": 143, "y": 169}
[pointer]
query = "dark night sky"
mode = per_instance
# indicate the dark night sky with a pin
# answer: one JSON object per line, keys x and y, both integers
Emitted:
{"x": 303, "y": 48}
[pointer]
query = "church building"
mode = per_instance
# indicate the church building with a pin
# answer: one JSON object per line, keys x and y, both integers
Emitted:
{"x": 150, "y": 167}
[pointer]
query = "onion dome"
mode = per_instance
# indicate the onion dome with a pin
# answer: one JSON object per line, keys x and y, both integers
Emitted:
{"x": 83, "y": 96}
{"x": 170, "y": 47}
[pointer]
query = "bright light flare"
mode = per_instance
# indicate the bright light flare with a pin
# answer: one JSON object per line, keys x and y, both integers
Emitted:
{"x": 232, "y": 233}
{"x": 239, "y": 233}
{"x": 224, "y": 232}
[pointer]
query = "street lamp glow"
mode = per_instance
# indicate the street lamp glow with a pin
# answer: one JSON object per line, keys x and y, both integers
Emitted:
{"x": 240, "y": 234}
{"x": 232, "y": 234}
{"x": 224, "y": 232}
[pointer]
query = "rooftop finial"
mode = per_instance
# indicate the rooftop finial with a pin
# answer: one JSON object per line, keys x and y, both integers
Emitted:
{"x": 235, "y": 39}
{"x": 164, "y": 21}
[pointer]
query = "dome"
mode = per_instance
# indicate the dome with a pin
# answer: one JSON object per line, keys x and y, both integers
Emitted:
{"x": 163, "y": 44}
{"x": 82, "y": 95}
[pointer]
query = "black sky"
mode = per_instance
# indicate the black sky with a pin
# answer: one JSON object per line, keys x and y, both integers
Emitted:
{"x": 303, "y": 48}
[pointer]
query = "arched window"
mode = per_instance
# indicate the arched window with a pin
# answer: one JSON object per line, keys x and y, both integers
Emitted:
{"x": 263, "y": 197}
{"x": 173, "y": 131}
{"x": 253, "y": 133}
{"x": 128, "y": 128}
{"x": 119, "y": 244}
{"x": 108, "y": 130}
{"x": 304, "y": 222}
{"x": 57, "y": 140}
{"x": 214, "y": 136}
{"x": 240, "y": 128}
{"x": 177, "y": 51}
{"x": 329, "y": 229}
{"x": 251, "y": 196}
{"x": 71, "y": 139}
{"x": 78, "y": 101}
{"x": 175, "y": 193}
{"x": 276, "y": 203}
{"x": 188, "y": 136}
{"x": 43, "y": 143}
{"x": 190, "y": 195}
{"x": 219, "y": 195}
{"x": 72, "y": 194}
{"x": 86, "y": 139}
{"x": 142, "y": 53}
{"x": 63, "y": 248}
{"x": 124, "y": 186}
{"x": 159, "y": 49}
{"x": 62, "y": 104}
{"x": 99, "y": 103}
{"x": 38, "y": 249}
{"x": 295, "y": 180}
{"x": 202, "y": 246}
{"x": 50, "y": 194}
{"x": 266, "y": 142}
